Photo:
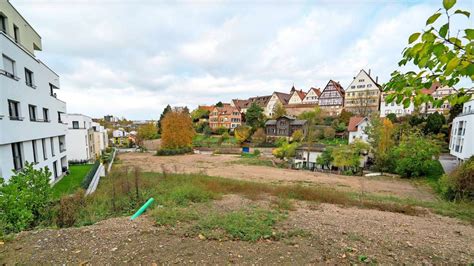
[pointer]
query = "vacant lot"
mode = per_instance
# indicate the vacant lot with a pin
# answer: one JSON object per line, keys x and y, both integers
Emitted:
{"x": 328, "y": 234}
{"x": 226, "y": 166}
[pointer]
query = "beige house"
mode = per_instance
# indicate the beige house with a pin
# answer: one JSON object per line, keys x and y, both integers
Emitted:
{"x": 277, "y": 97}
{"x": 363, "y": 95}
{"x": 297, "y": 96}
{"x": 312, "y": 97}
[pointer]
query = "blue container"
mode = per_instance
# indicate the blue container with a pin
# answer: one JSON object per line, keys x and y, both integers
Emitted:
{"x": 245, "y": 149}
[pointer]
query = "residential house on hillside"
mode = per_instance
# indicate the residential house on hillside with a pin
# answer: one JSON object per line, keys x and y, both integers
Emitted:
{"x": 80, "y": 138}
{"x": 435, "y": 90}
{"x": 32, "y": 126}
{"x": 461, "y": 143}
{"x": 227, "y": 116}
{"x": 296, "y": 96}
{"x": 284, "y": 126}
{"x": 357, "y": 126}
{"x": 277, "y": 97}
{"x": 332, "y": 98}
{"x": 120, "y": 136}
{"x": 101, "y": 138}
{"x": 362, "y": 96}
{"x": 306, "y": 156}
{"x": 312, "y": 97}
{"x": 243, "y": 105}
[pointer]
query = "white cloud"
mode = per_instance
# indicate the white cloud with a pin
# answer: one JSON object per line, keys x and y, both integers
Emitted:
{"x": 132, "y": 58}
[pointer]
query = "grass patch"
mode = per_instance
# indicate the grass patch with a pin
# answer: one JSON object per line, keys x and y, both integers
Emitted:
{"x": 253, "y": 161}
{"x": 247, "y": 225}
{"x": 212, "y": 141}
{"x": 173, "y": 215}
{"x": 70, "y": 183}
{"x": 284, "y": 204}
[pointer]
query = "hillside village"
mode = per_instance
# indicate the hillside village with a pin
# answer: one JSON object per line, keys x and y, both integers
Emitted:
{"x": 372, "y": 171}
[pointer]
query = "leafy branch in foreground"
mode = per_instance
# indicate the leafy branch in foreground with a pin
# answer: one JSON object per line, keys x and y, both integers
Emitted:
{"x": 441, "y": 57}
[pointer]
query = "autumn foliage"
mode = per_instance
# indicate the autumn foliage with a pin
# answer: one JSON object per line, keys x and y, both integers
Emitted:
{"x": 177, "y": 130}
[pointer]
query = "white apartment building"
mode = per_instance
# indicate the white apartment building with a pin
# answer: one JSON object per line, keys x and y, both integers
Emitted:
{"x": 393, "y": 108}
{"x": 461, "y": 143}
{"x": 31, "y": 115}
{"x": 101, "y": 138}
{"x": 80, "y": 138}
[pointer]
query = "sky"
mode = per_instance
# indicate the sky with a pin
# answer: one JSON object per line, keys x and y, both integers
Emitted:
{"x": 130, "y": 58}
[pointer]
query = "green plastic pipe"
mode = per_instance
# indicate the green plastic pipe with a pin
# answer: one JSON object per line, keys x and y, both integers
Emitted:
{"x": 142, "y": 209}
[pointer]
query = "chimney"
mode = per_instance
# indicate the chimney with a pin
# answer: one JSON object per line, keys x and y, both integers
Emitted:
{"x": 377, "y": 79}
{"x": 369, "y": 72}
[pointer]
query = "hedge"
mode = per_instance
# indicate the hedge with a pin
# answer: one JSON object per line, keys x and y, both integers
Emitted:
{"x": 167, "y": 152}
{"x": 90, "y": 175}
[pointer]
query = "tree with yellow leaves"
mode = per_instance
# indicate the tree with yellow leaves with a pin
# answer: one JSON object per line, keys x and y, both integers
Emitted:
{"x": 381, "y": 134}
{"x": 176, "y": 130}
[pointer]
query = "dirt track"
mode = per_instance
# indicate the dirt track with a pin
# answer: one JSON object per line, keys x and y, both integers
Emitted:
{"x": 337, "y": 236}
{"x": 220, "y": 165}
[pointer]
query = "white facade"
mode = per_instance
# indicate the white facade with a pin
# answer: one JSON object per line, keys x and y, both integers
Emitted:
{"x": 101, "y": 139}
{"x": 359, "y": 133}
{"x": 31, "y": 117}
{"x": 295, "y": 98}
{"x": 80, "y": 138}
{"x": 461, "y": 143}
{"x": 311, "y": 97}
{"x": 394, "y": 108}
{"x": 119, "y": 133}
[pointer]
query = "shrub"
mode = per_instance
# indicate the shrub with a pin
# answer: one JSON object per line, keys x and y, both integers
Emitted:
{"x": 168, "y": 152}
{"x": 256, "y": 152}
{"x": 225, "y": 136}
{"x": 329, "y": 133}
{"x": 259, "y": 137}
{"x": 297, "y": 135}
{"x": 460, "y": 183}
{"x": 68, "y": 209}
{"x": 25, "y": 199}
{"x": 287, "y": 150}
{"x": 280, "y": 141}
{"x": 221, "y": 130}
{"x": 90, "y": 175}
{"x": 242, "y": 133}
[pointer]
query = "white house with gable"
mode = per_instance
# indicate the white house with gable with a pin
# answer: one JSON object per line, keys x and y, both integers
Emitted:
{"x": 356, "y": 128}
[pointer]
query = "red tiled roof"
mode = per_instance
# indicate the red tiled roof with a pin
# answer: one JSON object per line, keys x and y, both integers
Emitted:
{"x": 353, "y": 122}
{"x": 206, "y": 107}
{"x": 432, "y": 89}
{"x": 284, "y": 97}
{"x": 317, "y": 91}
{"x": 301, "y": 93}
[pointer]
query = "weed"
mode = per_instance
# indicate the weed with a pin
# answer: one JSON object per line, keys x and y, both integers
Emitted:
{"x": 173, "y": 215}
{"x": 247, "y": 225}
{"x": 284, "y": 204}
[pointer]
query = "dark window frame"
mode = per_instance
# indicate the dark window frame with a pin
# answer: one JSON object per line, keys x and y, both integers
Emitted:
{"x": 16, "y": 33}
{"x": 75, "y": 124}
{"x": 32, "y": 112}
{"x": 29, "y": 78}
{"x": 17, "y": 156}
{"x": 43, "y": 144}
{"x": 46, "y": 115}
{"x": 35, "y": 151}
{"x": 14, "y": 110}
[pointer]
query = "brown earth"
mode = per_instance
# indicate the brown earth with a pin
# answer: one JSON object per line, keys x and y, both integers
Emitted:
{"x": 221, "y": 165}
{"x": 336, "y": 235}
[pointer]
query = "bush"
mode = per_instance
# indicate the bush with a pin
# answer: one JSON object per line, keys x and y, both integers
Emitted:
{"x": 460, "y": 183}
{"x": 225, "y": 136}
{"x": 68, "y": 209}
{"x": 90, "y": 175}
{"x": 297, "y": 135}
{"x": 221, "y": 130}
{"x": 329, "y": 133}
{"x": 168, "y": 152}
{"x": 25, "y": 199}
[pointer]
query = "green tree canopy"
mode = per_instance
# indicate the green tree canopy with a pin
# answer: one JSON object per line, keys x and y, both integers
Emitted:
{"x": 441, "y": 55}
{"x": 254, "y": 116}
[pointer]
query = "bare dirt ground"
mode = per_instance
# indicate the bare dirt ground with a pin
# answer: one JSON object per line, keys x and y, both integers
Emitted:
{"x": 336, "y": 235}
{"x": 221, "y": 165}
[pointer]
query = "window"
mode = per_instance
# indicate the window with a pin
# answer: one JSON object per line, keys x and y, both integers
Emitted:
{"x": 75, "y": 124}
{"x": 17, "y": 158}
{"x": 3, "y": 23}
{"x": 32, "y": 111}
{"x": 45, "y": 115}
{"x": 14, "y": 110}
{"x": 43, "y": 144}
{"x": 16, "y": 33}
{"x": 8, "y": 66}
{"x": 60, "y": 117}
{"x": 35, "y": 153}
{"x": 55, "y": 169}
{"x": 51, "y": 140}
{"x": 29, "y": 77}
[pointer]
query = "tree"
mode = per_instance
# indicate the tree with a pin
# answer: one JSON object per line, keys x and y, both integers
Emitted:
{"x": 459, "y": 184}
{"x": 219, "y": 104}
{"x": 297, "y": 135}
{"x": 286, "y": 150}
{"x": 329, "y": 133}
{"x": 434, "y": 123}
{"x": 440, "y": 56}
{"x": 278, "y": 110}
{"x": 25, "y": 199}
{"x": 381, "y": 136}
{"x": 146, "y": 132}
{"x": 242, "y": 133}
{"x": 254, "y": 116}
{"x": 413, "y": 153}
{"x": 325, "y": 159}
{"x": 177, "y": 131}
{"x": 348, "y": 157}
{"x": 199, "y": 113}
{"x": 259, "y": 137}
{"x": 345, "y": 116}
{"x": 392, "y": 117}
{"x": 165, "y": 111}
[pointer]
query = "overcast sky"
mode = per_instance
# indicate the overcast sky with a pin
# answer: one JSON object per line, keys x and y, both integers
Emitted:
{"x": 131, "y": 58}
